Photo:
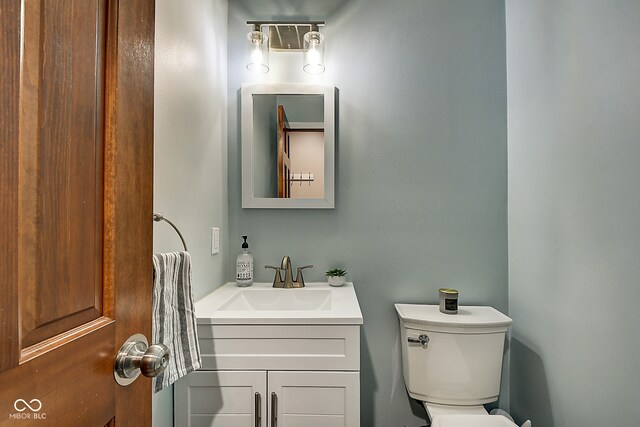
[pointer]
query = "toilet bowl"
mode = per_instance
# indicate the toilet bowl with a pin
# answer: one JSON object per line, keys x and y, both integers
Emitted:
{"x": 464, "y": 416}
{"x": 472, "y": 420}
{"x": 453, "y": 363}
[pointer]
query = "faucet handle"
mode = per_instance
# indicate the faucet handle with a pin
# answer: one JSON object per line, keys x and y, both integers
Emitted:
{"x": 277, "y": 279}
{"x": 299, "y": 278}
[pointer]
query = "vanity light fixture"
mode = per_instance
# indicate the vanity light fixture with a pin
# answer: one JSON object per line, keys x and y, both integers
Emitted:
{"x": 313, "y": 56}
{"x": 286, "y": 37}
{"x": 257, "y": 44}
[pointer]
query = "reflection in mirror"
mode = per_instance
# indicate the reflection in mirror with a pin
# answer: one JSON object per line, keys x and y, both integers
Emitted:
{"x": 287, "y": 146}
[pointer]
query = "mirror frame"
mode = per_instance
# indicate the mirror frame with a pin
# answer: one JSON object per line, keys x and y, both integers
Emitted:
{"x": 248, "y": 198}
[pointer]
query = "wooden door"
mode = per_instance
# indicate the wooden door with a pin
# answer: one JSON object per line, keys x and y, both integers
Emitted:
{"x": 76, "y": 174}
{"x": 284, "y": 162}
{"x": 221, "y": 399}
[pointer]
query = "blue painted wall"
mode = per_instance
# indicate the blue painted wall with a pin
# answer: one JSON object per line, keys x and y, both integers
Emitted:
{"x": 190, "y": 136}
{"x": 421, "y": 166}
{"x": 422, "y": 180}
{"x": 574, "y": 203}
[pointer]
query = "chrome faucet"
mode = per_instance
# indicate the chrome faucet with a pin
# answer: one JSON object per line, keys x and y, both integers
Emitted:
{"x": 288, "y": 281}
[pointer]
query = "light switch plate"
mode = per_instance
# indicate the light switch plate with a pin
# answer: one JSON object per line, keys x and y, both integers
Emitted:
{"x": 215, "y": 240}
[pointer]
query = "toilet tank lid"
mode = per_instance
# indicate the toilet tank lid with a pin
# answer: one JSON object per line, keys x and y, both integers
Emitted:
{"x": 467, "y": 317}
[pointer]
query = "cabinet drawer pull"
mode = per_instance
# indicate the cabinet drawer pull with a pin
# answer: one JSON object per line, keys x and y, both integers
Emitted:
{"x": 274, "y": 409}
{"x": 258, "y": 409}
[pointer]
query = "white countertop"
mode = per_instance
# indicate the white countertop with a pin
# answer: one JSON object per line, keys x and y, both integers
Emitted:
{"x": 340, "y": 307}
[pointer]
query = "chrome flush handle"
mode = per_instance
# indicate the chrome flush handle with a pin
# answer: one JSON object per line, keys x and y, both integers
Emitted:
{"x": 423, "y": 340}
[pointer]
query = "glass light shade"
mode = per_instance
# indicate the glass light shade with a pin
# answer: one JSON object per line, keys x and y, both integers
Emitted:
{"x": 313, "y": 57}
{"x": 258, "y": 50}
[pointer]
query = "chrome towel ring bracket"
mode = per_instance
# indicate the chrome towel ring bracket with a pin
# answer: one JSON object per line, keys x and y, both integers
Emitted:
{"x": 157, "y": 217}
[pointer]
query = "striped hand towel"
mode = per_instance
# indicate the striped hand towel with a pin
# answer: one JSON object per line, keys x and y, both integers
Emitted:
{"x": 174, "y": 321}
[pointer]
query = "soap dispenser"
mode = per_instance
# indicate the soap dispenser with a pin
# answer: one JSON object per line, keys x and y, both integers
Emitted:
{"x": 244, "y": 266}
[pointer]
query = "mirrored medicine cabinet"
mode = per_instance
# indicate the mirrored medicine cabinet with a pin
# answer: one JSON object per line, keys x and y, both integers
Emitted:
{"x": 288, "y": 146}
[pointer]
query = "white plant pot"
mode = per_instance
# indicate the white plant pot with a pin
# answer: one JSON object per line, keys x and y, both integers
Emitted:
{"x": 337, "y": 280}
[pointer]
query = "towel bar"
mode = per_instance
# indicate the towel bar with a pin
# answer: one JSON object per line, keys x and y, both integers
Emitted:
{"x": 157, "y": 217}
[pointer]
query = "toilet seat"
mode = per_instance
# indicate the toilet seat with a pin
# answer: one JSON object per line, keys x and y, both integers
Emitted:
{"x": 471, "y": 421}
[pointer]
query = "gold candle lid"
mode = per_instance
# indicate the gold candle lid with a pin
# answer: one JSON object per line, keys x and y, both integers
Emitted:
{"x": 449, "y": 291}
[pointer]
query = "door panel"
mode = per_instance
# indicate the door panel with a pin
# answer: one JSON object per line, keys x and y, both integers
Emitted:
{"x": 9, "y": 155}
{"x": 76, "y": 196}
{"x": 316, "y": 399}
{"x": 61, "y": 169}
{"x": 82, "y": 393}
{"x": 221, "y": 399}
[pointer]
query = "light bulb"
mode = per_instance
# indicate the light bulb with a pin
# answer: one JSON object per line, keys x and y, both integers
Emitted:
{"x": 258, "y": 52}
{"x": 313, "y": 57}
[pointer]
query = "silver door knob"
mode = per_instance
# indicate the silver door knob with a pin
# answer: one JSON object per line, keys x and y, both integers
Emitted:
{"x": 137, "y": 357}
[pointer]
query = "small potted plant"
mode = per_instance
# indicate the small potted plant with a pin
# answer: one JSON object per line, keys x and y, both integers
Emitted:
{"x": 336, "y": 276}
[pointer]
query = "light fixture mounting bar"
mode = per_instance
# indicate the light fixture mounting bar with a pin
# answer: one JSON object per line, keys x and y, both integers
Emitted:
{"x": 318, "y": 23}
{"x": 286, "y": 35}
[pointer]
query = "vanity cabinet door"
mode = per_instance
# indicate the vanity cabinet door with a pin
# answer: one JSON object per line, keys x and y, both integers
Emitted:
{"x": 314, "y": 399}
{"x": 221, "y": 399}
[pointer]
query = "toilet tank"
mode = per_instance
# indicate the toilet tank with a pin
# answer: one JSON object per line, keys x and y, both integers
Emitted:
{"x": 462, "y": 362}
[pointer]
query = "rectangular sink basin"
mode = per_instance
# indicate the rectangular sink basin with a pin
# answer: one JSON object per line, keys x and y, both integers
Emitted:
{"x": 261, "y": 304}
{"x": 278, "y": 299}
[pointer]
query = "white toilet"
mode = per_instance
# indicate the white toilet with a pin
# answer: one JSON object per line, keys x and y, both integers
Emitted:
{"x": 453, "y": 362}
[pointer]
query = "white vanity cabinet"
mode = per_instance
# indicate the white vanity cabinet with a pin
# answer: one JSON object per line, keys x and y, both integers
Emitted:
{"x": 273, "y": 368}
{"x": 268, "y": 398}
